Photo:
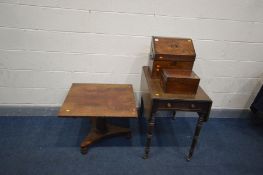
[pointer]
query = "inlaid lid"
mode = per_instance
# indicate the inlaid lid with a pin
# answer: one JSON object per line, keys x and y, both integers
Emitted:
{"x": 173, "y": 48}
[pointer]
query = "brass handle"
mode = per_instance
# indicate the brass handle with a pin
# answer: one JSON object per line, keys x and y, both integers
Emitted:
{"x": 192, "y": 105}
{"x": 169, "y": 105}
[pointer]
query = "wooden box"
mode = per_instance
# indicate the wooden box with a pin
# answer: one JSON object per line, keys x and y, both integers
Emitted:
{"x": 174, "y": 49}
{"x": 179, "y": 81}
{"x": 156, "y": 66}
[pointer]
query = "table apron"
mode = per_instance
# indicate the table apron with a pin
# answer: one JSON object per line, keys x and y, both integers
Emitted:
{"x": 191, "y": 106}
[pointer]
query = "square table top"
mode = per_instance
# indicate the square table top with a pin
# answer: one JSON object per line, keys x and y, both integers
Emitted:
{"x": 99, "y": 100}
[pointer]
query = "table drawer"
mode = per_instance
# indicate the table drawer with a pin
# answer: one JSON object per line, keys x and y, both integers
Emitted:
{"x": 182, "y": 105}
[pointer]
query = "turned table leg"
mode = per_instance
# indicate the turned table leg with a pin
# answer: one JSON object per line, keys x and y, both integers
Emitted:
{"x": 151, "y": 123}
{"x": 174, "y": 114}
{"x": 196, "y": 135}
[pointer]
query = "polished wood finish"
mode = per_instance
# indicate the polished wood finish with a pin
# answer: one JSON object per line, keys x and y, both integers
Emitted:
{"x": 175, "y": 49}
{"x": 156, "y": 92}
{"x": 100, "y": 101}
{"x": 179, "y": 81}
{"x": 155, "y": 99}
{"x": 156, "y": 66}
{"x": 100, "y": 130}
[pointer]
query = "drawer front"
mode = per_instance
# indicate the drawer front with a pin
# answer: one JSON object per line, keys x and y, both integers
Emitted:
{"x": 182, "y": 105}
{"x": 157, "y": 66}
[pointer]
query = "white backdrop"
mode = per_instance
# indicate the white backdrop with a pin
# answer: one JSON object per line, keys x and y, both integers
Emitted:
{"x": 47, "y": 45}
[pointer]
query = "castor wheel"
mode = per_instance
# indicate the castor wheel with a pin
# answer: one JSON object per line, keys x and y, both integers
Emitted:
{"x": 145, "y": 156}
{"x": 84, "y": 150}
{"x": 188, "y": 157}
{"x": 129, "y": 135}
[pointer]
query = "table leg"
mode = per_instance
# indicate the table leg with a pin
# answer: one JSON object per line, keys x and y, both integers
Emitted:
{"x": 141, "y": 109}
{"x": 100, "y": 129}
{"x": 196, "y": 135}
{"x": 174, "y": 114}
{"x": 151, "y": 123}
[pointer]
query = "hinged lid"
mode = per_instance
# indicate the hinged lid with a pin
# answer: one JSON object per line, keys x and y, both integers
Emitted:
{"x": 180, "y": 49}
{"x": 172, "y": 73}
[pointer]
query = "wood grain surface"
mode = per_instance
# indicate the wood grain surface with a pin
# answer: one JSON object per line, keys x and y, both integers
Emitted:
{"x": 179, "y": 81}
{"x": 157, "y": 92}
{"x": 99, "y": 100}
{"x": 164, "y": 48}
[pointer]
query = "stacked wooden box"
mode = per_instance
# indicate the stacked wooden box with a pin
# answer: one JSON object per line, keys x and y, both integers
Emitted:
{"x": 171, "y": 61}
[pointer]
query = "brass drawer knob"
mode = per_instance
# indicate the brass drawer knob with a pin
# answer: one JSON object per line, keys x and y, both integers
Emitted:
{"x": 169, "y": 105}
{"x": 192, "y": 105}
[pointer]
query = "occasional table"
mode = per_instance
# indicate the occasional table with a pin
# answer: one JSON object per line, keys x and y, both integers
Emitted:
{"x": 154, "y": 99}
{"x": 98, "y": 102}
